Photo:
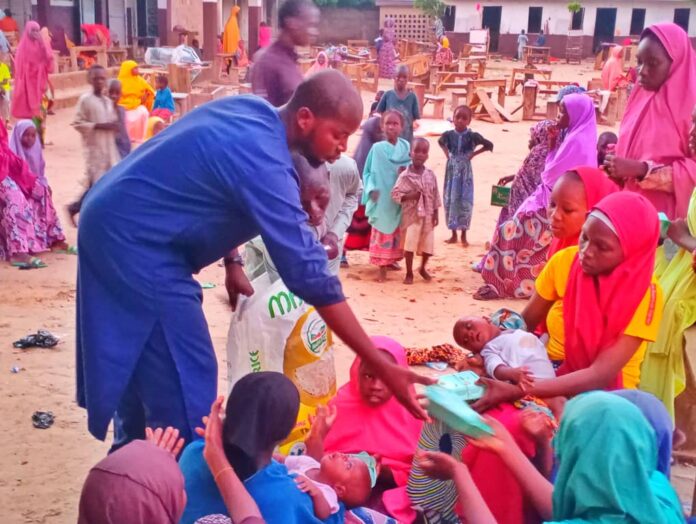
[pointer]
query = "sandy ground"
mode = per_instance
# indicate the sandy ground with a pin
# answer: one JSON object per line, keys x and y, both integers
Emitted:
{"x": 42, "y": 471}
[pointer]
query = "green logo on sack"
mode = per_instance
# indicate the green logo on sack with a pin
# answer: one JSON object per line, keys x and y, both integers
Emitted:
{"x": 255, "y": 361}
{"x": 315, "y": 334}
{"x": 282, "y": 303}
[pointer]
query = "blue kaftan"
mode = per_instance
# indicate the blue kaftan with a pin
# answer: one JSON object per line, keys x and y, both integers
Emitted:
{"x": 214, "y": 180}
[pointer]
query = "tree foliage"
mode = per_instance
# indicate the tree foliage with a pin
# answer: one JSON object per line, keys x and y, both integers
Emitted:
{"x": 574, "y": 7}
{"x": 434, "y": 8}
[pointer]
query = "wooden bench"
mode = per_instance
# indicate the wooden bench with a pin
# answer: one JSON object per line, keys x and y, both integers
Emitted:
{"x": 551, "y": 87}
{"x": 523, "y": 72}
{"x": 100, "y": 51}
{"x": 475, "y": 64}
{"x": 364, "y": 75}
{"x": 69, "y": 86}
{"x": 451, "y": 79}
{"x": 244, "y": 89}
{"x": 457, "y": 95}
{"x": 220, "y": 64}
{"x": 206, "y": 94}
{"x": 182, "y": 101}
{"x": 495, "y": 85}
{"x": 438, "y": 103}
{"x": 418, "y": 90}
{"x": 537, "y": 54}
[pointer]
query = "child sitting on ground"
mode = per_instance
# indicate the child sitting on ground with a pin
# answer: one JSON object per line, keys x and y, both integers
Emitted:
{"x": 512, "y": 355}
{"x": 416, "y": 191}
{"x": 164, "y": 101}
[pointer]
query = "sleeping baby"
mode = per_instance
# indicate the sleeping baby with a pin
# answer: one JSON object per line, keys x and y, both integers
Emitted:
{"x": 513, "y": 355}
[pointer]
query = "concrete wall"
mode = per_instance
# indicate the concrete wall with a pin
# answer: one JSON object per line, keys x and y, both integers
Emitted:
{"x": 515, "y": 14}
{"x": 339, "y": 24}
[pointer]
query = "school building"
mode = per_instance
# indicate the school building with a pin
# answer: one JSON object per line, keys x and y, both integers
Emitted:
{"x": 597, "y": 21}
{"x": 147, "y": 21}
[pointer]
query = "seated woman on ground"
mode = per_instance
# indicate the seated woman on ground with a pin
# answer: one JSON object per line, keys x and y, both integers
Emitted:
{"x": 261, "y": 411}
{"x": 612, "y": 307}
{"x": 591, "y": 482}
{"x": 24, "y": 142}
{"x": 19, "y": 192}
{"x": 369, "y": 419}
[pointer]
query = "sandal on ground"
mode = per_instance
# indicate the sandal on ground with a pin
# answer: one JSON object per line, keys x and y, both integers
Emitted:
{"x": 41, "y": 339}
{"x": 32, "y": 263}
{"x": 72, "y": 250}
{"x": 486, "y": 293}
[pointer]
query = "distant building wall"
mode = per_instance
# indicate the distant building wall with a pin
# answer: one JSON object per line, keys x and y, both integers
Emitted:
{"x": 339, "y": 24}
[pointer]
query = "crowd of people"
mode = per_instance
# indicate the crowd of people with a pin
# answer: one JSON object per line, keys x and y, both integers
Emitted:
{"x": 579, "y": 386}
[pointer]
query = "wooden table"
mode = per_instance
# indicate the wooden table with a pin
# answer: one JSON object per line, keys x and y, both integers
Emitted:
{"x": 100, "y": 50}
{"x": 469, "y": 62}
{"x": 116, "y": 55}
{"x": 603, "y": 54}
{"x": 497, "y": 85}
{"x": 450, "y": 79}
{"x": 539, "y": 54}
{"x": 219, "y": 63}
{"x": 523, "y": 72}
{"x": 418, "y": 90}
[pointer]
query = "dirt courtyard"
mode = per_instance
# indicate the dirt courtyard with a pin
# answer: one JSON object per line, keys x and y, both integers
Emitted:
{"x": 43, "y": 470}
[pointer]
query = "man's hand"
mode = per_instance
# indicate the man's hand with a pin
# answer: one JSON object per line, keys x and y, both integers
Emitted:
{"x": 331, "y": 240}
{"x": 237, "y": 284}
{"x": 108, "y": 126}
{"x": 400, "y": 382}
{"x": 506, "y": 180}
{"x": 497, "y": 392}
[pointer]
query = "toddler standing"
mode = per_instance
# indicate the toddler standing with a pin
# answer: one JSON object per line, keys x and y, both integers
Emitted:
{"x": 380, "y": 174}
{"x": 163, "y": 106}
{"x": 416, "y": 191}
{"x": 459, "y": 146}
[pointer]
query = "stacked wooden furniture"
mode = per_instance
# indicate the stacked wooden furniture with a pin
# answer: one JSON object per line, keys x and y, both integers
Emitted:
{"x": 574, "y": 47}
{"x": 475, "y": 64}
{"x": 523, "y": 72}
{"x": 363, "y": 75}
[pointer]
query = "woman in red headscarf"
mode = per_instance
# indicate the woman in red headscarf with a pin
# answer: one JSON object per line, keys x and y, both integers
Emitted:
{"x": 652, "y": 155}
{"x": 612, "y": 307}
{"x": 33, "y": 63}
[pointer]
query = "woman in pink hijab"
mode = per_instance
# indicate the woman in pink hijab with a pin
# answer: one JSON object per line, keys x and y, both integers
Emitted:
{"x": 652, "y": 156}
{"x": 33, "y": 63}
{"x": 613, "y": 68}
{"x": 370, "y": 419}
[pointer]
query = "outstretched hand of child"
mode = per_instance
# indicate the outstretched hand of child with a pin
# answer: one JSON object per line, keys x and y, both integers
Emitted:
{"x": 322, "y": 421}
{"x": 167, "y": 439}
{"x": 437, "y": 465}
{"x": 523, "y": 377}
{"x": 213, "y": 452}
{"x": 496, "y": 442}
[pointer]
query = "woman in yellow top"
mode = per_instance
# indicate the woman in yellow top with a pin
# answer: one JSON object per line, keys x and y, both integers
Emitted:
{"x": 612, "y": 306}
{"x": 663, "y": 372}
{"x": 137, "y": 97}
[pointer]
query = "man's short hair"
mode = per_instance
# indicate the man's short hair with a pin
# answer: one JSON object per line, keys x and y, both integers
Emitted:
{"x": 292, "y": 8}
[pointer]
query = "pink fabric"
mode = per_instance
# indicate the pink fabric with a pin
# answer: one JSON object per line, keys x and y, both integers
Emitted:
{"x": 656, "y": 124}
{"x": 613, "y": 68}
{"x": 597, "y": 310}
{"x": 597, "y": 186}
{"x": 389, "y": 431}
{"x": 136, "y": 123}
{"x": 316, "y": 66}
{"x": 33, "y": 63}
{"x": 577, "y": 149}
{"x": 265, "y": 36}
{"x": 497, "y": 484}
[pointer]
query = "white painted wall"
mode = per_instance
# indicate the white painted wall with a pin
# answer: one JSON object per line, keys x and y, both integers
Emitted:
{"x": 515, "y": 14}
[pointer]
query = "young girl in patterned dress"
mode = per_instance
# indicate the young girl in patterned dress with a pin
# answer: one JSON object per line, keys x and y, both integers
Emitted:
{"x": 459, "y": 146}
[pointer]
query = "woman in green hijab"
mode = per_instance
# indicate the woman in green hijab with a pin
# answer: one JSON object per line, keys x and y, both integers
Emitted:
{"x": 607, "y": 467}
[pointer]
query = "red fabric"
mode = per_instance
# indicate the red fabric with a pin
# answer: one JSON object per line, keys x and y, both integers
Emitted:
{"x": 14, "y": 167}
{"x": 92, "y": 32}
{"x": 33, "y": 63}
{"x": 264, "y": 36}
{"x": 497, "y": 484}
{"x": 597, "y": 310}
{"x": 597, "y": 186}
{"x": 388, "y": 430}
{"x": 656, "y": 124}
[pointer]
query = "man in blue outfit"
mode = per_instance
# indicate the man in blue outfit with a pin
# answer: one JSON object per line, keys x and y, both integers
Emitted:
{"x": 217, "y": 178}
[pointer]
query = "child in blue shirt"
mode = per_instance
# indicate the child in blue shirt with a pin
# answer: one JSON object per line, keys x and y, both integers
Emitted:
{"x": 164, "y": 101}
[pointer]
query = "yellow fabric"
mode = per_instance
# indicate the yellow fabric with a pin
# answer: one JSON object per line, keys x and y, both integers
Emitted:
{"x": 551, "y": 285}
{"x": 230, "y": 37}
{"x": 5, "y": 77}
{"x": 663, "y": 371}
{"x": 135, "y": 91}
{"x": 445, "y": 42}
{"x": 151, "y": 122}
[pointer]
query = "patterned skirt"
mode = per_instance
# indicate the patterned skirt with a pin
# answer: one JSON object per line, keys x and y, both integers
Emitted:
{"x": 385, "y": 249}
{"x": 517, "y": 255}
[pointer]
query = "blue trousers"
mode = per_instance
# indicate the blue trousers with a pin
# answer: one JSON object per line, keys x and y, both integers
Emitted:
{"x": 154, "y": 396}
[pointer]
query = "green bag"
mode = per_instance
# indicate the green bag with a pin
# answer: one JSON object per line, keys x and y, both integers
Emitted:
{"x": 500, "y": 196}
{"x": 447, "y": 406}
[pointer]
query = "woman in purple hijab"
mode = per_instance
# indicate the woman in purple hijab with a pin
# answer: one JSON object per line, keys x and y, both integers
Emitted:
{"x": 518, "y": 251}
{"x": 25, "y": 144}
